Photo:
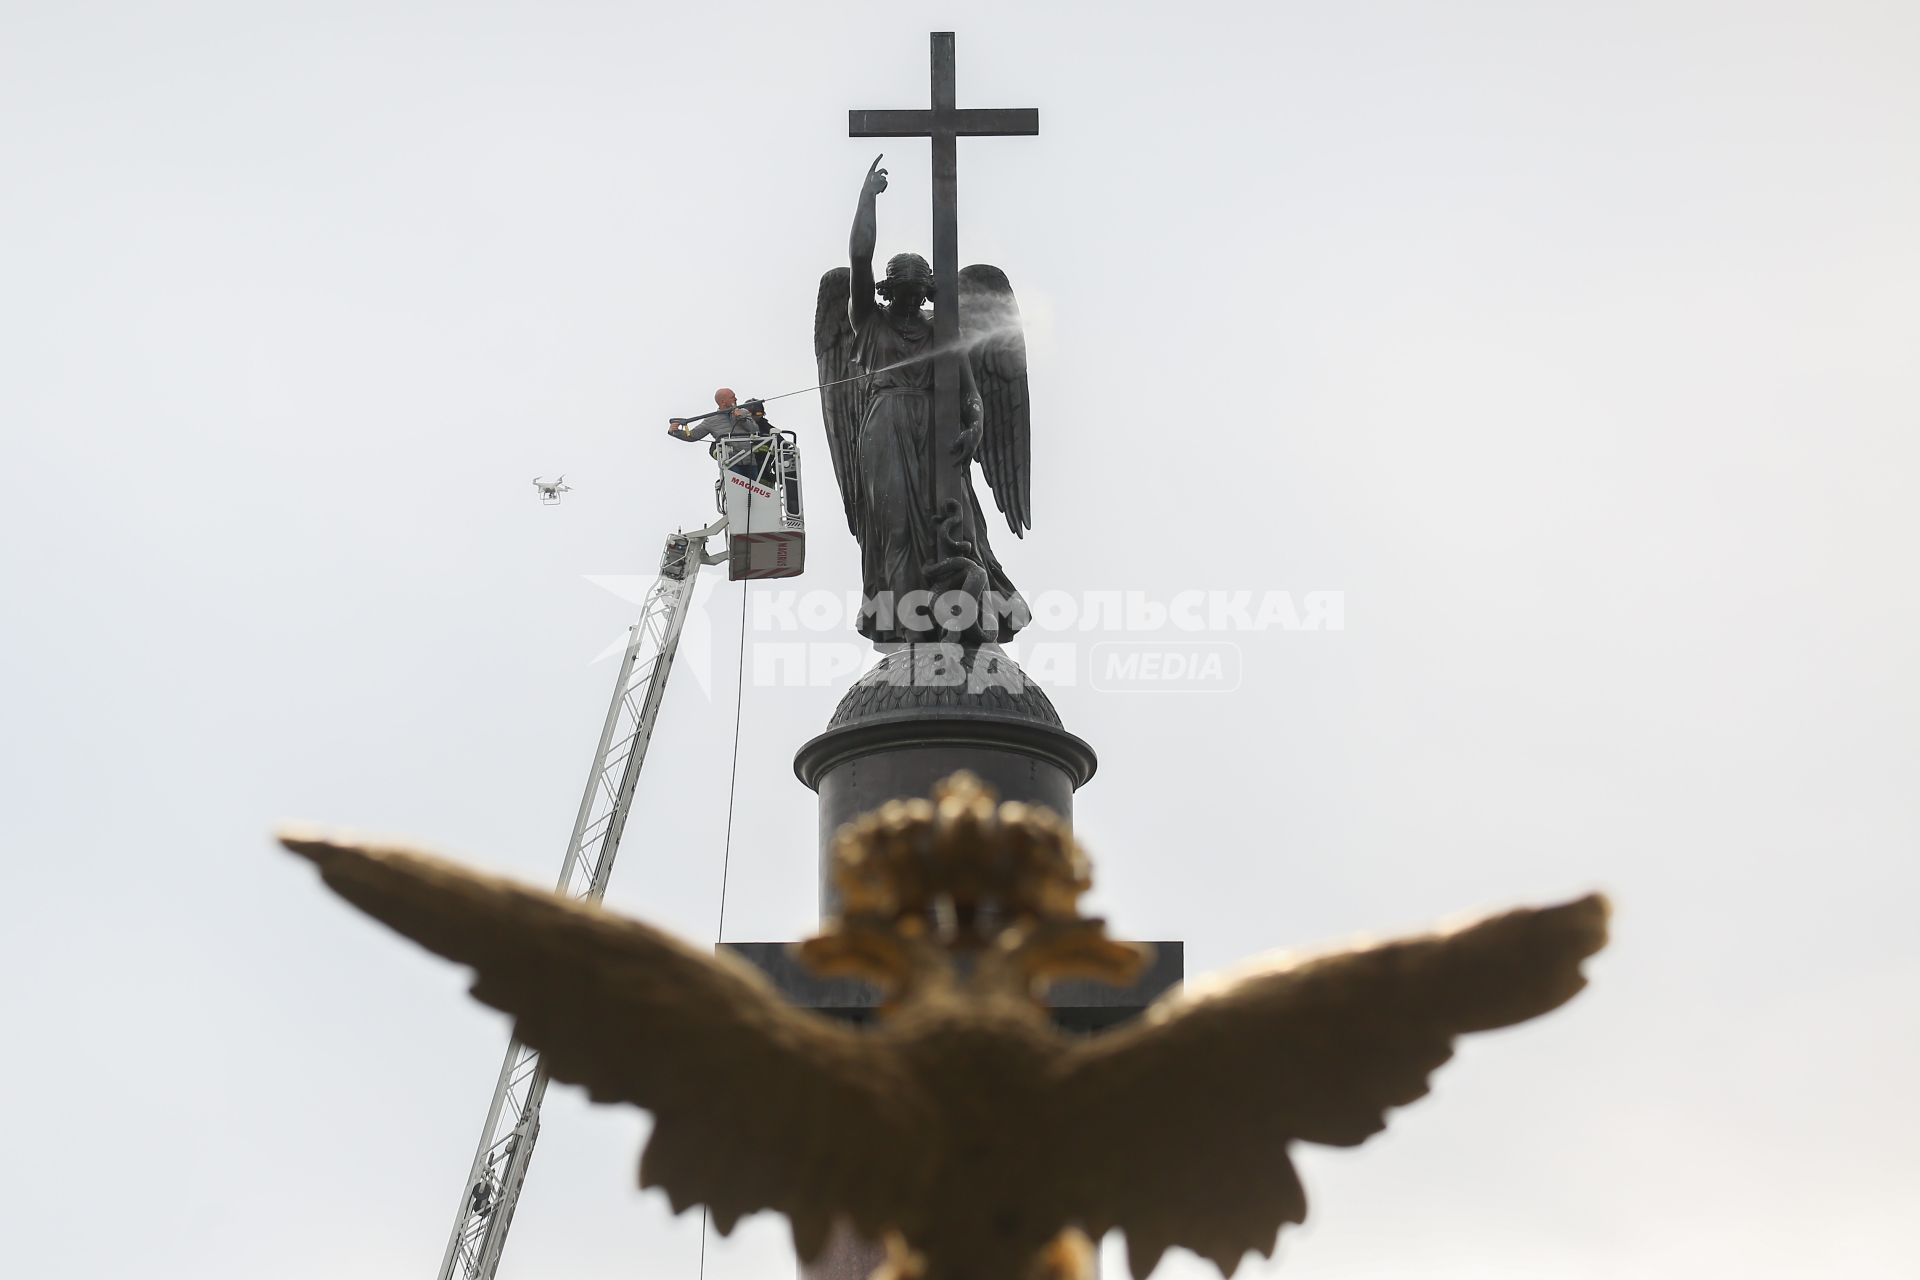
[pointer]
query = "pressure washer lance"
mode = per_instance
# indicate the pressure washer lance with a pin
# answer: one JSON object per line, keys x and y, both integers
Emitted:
{"x": 755, "y": 406}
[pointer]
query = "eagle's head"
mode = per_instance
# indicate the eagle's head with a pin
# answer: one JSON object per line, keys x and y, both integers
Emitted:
{"x": 963, "y": 891}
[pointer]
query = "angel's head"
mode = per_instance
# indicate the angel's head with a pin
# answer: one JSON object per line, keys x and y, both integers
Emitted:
{"x": 908, "y": 282}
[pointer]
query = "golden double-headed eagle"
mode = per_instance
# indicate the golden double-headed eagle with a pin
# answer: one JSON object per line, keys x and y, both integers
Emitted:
{"x": 960, "y": 1127}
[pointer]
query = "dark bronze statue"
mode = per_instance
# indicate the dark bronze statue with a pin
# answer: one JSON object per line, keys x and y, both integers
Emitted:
{"x": 927, "y": 571}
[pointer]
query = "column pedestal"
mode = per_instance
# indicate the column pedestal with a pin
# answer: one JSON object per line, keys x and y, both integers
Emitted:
{"x": 924, "y": 712}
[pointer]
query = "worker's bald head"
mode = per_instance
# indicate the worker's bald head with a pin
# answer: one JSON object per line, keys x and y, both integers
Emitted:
{"x": 725, "y": 398}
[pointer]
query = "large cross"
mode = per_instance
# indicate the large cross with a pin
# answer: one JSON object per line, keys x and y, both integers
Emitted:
{"x": 945, "y": 123}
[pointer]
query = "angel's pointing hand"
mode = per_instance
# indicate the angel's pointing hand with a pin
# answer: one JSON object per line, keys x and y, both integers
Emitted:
{"x": 876, "y": 178}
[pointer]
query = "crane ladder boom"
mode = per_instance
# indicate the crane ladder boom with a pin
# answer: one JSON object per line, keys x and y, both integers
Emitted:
{"x": 499, "y": 1168}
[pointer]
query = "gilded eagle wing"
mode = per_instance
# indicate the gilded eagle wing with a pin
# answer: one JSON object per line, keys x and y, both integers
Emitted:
{"x": 843, "y": 403}
{"x": 997, "y": 350}
{"x": 1211, "y": 1086}
{"x": 756, "y": 1105}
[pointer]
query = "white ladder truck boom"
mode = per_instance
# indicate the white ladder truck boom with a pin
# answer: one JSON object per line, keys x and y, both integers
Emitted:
{"x": 769, "y": 505}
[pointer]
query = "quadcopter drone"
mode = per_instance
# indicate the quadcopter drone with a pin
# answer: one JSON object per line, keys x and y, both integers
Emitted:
{"x": 550, "y": 490}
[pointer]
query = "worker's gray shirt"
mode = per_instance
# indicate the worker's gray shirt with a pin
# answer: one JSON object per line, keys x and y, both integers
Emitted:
{"x": 725, "y": 430}
{"x": 723, "y": 426}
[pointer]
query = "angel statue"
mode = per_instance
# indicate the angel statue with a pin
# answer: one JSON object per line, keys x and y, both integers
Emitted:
{"x": 961, "y": 1129}
{"x": 878, "y": 366}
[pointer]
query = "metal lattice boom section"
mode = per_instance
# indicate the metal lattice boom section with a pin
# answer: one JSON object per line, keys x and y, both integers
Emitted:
{"x": 499, "y": 1168}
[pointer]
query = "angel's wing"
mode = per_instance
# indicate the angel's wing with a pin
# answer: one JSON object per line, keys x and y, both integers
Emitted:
{"x": 842, "y": 405}
{"x": 997, "y": 349}
{"x": 1210, "y": 1087}
{"x": 755, "y": 1105}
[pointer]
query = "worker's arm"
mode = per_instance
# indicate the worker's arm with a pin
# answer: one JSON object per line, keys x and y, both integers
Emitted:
{"x": 860, "y": 245}
{"x": 681, "y": 431}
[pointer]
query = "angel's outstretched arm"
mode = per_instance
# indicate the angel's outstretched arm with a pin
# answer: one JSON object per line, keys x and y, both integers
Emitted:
{"x": 860, "y": 244}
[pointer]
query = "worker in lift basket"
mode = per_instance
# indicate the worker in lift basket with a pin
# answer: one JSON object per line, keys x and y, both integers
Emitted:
{"x": 738, "y": 422}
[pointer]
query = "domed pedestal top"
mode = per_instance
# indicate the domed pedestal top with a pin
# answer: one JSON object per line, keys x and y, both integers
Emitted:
{"x": 927, "y": 711}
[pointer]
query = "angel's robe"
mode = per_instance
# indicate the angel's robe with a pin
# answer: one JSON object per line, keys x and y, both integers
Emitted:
{"x": 898, "y": 539}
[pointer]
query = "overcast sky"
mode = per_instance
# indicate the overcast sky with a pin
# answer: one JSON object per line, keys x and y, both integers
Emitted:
{"x": 1573, "y": 343}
